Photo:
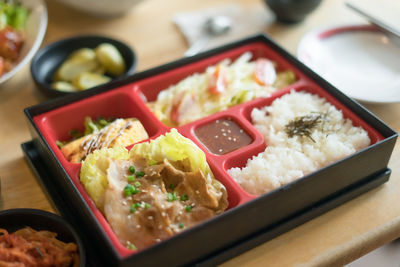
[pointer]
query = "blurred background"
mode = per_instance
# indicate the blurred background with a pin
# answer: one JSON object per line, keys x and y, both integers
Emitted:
{"x": 159, "y": 32}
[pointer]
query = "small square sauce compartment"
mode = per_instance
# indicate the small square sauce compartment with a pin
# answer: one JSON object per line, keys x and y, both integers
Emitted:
{"x": 222, "y": 136}
{"x": 227, "y": 230}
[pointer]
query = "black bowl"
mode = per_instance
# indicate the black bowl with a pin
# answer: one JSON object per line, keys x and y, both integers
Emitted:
{"x": 48, "y": 59}
{"x": 15, "y": 219}
{"x": 292, "y": 11}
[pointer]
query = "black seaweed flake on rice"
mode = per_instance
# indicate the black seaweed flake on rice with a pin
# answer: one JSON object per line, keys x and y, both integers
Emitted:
{"x": 304, "y": 125}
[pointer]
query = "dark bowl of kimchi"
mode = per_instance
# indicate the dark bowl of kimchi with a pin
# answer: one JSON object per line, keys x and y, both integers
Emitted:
{"x": 33, "y": 232}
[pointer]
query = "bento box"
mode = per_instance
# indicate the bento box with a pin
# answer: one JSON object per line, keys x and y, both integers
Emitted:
{"x": 251, "y": 215}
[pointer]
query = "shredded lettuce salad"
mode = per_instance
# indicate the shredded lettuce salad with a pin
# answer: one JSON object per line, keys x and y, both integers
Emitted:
{"x": 193, "y": 97}
{"x": 13, "y": 14}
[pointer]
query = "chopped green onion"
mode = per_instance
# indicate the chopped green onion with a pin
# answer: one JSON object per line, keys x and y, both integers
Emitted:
{"x": 135, "y": 190}
{"x": 172, "y": 186}
{"x": 181, "y": 225}
{"x": 136, "y": 206}
{"x": 131, "y": 169}
{"x": 146, "y": 205}
{"x": 137, "y": 184}
{"x": 188, "y": 208}
{"x": 128, "y": 190}
{"x": 132, "y": 246}
{"x": 172, "y": 196}
{"x": 131, "y": 178}
{"x": 169, "y": 197}
{"x": 133, "y": 208}
{"x": 139, "y": 174}
{"x": 184, "y": 197}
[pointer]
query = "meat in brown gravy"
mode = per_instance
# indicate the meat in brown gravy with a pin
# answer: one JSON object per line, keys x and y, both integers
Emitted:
{"x": 166, "y": 200}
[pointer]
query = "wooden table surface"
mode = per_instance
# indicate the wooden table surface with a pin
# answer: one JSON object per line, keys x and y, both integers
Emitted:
{"x": 333, "y": 239}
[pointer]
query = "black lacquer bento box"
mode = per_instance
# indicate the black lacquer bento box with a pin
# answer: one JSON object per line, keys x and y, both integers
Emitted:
{"x": 249, "y": 220}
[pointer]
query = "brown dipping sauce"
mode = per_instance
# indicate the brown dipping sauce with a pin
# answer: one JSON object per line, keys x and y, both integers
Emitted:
{"x": 222, "y": 136}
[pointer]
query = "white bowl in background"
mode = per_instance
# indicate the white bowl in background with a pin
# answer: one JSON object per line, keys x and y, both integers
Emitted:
{"x": 103, "y": 8}
{"x": 35, "y": 30}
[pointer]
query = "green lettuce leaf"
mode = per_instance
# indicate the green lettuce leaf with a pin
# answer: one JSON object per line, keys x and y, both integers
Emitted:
{"x": 94, "y": 170}
{"x": 175, "y": 148}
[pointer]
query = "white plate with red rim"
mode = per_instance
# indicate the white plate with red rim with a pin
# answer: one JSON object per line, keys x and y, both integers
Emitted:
{"x": 360, "y": 60}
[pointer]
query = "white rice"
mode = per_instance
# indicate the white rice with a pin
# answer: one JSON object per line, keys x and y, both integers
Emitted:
{"x": 289, "y": 158}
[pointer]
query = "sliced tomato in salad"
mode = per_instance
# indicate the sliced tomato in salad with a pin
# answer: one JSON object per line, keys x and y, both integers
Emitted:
{"x": 218, "y": 81}
{"x": 264, "y": 73}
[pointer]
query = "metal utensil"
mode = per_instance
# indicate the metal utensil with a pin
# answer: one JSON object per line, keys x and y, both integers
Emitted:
{"x": 214, "y": 26}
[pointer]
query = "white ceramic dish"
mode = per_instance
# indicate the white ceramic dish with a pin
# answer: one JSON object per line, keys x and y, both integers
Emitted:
{"x": 361, "y": 61}
{"x": 35, "y": 30}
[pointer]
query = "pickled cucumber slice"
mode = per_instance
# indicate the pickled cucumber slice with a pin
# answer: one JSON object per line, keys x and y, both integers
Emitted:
{"x": 64, "y": 86}
{"x": 81, "y": 60}
{"x": 88, "y": 80}
{"x": 71, "y": 68}
{"x": 110, "y": 58}
{"x": 85, "y": 54}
